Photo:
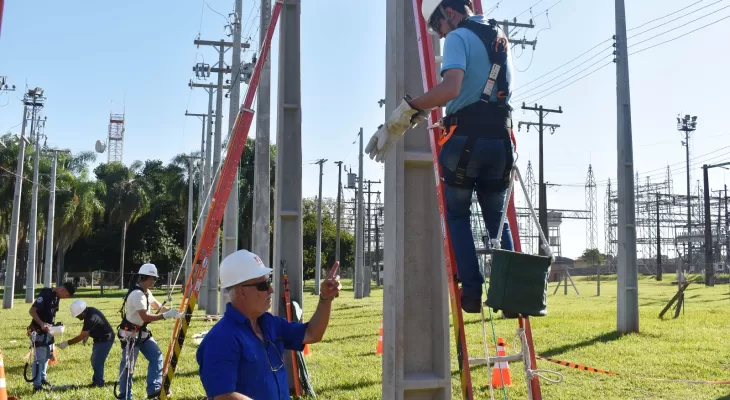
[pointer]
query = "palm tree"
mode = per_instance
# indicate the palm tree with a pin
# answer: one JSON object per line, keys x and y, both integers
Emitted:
{"x": 80, "y": 209}
{"x": 131, "y": 201}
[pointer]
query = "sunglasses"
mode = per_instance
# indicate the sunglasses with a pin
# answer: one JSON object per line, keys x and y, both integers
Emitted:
{"x": 261, "y": 286}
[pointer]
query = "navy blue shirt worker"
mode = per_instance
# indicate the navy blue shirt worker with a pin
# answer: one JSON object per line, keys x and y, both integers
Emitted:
{"x": 242, "y": 357}
{"x": 98, "y": 328}
{"x": 43, "y": 311}
{"x": 476, "y": 147}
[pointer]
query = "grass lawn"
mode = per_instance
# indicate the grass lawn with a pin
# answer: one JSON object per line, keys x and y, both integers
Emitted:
{"x": 579, "y": 329}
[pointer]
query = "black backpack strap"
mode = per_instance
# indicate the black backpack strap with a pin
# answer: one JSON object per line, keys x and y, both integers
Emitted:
{"x": 497, "y": 45}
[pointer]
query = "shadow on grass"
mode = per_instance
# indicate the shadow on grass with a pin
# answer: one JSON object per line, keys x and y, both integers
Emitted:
{"x": 602, "y": 338}
{"x": 362, "y": 335}
{"x": 727, "y": 397}
{"x": 348, "y": 386}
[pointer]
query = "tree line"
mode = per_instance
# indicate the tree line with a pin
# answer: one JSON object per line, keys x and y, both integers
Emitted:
{"x": 137, "y": 210}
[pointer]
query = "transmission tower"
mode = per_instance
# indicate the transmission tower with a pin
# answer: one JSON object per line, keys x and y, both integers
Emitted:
{"x": 611, "y": 223}
{"x": 531, "y": 194}
{"x": 116, "y": 138}
{"x": 592, "y": 208}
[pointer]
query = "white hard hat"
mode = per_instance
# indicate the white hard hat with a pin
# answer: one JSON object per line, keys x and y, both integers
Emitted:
{"x": 240, "y": 267}
{"x": 77, "y": 307}
{"x": 428, "y": 7}
{"x": 149, "y": 270}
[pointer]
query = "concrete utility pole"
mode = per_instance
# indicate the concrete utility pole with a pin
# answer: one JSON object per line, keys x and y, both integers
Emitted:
{"x": 11, "y": 264}
{"x": 413, "y": 247}
{"x": 48, "y": 269}
{"x": 35, "y": 122}
{"x": 542, "y": 192}
{"x": 202, "y": 193}
{"x": 628, "y": 293}
{"x": 213, "y": 271}
{"x": 288, "y": 191}
{"x": 210, "y": 301}
{"x": 260, "y": 232}
{"x": 191, "y": 216}
{"x": 659, "y": 270}
{"x": 360, "y": 230}
{"x": 687, "y": 125}
{"x": 339, "y": 199}
{"x": 318, "y": 256}
{"x": 230, "y": 218}
{"x": 369, "y": 269}
{"x": 709, "y": 268}
{"x": 377, "y": 245}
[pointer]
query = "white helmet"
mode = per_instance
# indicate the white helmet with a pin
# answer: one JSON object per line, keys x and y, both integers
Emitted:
{"x": 77, "y": 307}
{"x": 428, "y": 7}
{"x": 240, "y": 267}
{"x": 149, "y": 270}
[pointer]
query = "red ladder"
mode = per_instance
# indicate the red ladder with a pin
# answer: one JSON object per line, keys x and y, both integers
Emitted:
{"x": 217, "y": 208}
{"x": 428, "y": 72}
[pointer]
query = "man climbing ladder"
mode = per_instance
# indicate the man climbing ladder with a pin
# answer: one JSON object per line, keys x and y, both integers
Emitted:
{"x": 477, "y": 147}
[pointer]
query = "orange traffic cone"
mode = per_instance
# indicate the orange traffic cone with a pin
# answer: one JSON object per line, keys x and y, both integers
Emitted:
{"x": 500, "y": 372}
{"x": 307, "y": 351}
{"x": 379, "y": 349}
{"x": 54, "y": 359}
{"x": 3, "y": 384}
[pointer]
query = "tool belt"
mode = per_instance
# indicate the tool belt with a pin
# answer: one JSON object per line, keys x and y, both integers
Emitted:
{"x": 129, "y": 331}
{"x": 479, "y": 120}
{"x": 42, "y": 338}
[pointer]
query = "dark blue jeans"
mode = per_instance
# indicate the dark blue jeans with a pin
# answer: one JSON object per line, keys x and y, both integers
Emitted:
{"x": 490, "y": 160}
{"x": 99, "y": 353}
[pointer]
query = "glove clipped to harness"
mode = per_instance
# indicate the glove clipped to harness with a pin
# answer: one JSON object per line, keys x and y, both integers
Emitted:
{"x": 404, "y": 117}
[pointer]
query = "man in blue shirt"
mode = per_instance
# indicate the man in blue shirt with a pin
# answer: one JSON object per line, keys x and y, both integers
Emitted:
{"x": 477, "y": 146}
{"x": 242, "y": 357}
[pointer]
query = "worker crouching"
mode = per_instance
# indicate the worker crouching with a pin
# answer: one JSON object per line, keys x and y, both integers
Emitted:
{"x": 242, "y": 355}
{"x": 98, "y": 328}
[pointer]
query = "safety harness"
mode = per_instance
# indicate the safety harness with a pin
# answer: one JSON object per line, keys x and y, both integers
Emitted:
{"x": 483, "y": 119}
{"x": 127, "y": 329}
{"x": 130, "y": 335}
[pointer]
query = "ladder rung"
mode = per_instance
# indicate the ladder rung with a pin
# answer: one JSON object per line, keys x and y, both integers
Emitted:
{"x": 493, "y": 360}
{"x": 424, "y": 381}
{"x": 418, "y": 157}
{"x": 483, "y": 250}
{"x": 289, "y": 106}
{"x": 289, "y": 213}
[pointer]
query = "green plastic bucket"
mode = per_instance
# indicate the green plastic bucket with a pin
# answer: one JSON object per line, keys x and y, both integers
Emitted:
{"x": 518, "y": 283}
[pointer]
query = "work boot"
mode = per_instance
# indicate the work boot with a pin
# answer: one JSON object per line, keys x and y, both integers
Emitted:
{"x": 471, "y": 304}
{"x": 38, "y": 389}
{"x": 45, "y": 383}
{"x": 156, "y": 395}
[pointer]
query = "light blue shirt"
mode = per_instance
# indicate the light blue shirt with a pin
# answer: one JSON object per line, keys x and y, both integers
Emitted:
{"x": 464, "y": 50}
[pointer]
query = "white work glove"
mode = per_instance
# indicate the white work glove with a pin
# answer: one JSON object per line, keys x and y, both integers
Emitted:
{"x": 63, "y": 344}
{"x": 403, "y": 118}
{"x": 175, "y": 314}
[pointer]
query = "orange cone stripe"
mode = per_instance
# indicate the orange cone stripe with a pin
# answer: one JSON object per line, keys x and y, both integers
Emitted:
{"x": 578, "y": 366}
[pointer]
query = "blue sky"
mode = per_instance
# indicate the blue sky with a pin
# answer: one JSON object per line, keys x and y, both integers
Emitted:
{"x": 95, "y": 57}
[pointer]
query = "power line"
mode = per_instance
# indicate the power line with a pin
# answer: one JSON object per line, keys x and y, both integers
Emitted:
{"x": 530, "y": 8}
{"x": 571, "y": 83}
{"x": 672, "y": 30}
{"x": 678, "y": 18}
{"x": 576, "y": 58}
{"x": 660, "y": 18}
{"x": 680, "y": 36}
{"x": 524, "y": 95}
